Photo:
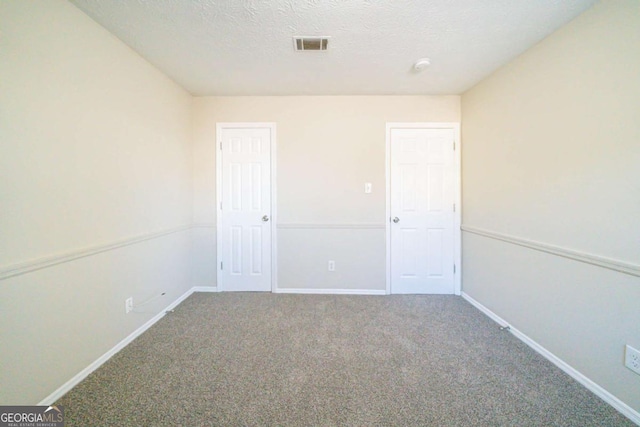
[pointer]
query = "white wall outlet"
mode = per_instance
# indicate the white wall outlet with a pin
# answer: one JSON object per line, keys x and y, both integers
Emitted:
{"x": 331, "y": 266}
{"x": 128, "y": 305}
{"x": 632, "y": 359}
{"x": 367, "y": 187}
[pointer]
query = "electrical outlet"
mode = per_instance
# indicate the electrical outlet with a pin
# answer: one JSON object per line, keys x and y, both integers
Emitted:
{"x": 331, "y": 266}
{"x": 128, "y": 305}
{"x": 632, "y": 359}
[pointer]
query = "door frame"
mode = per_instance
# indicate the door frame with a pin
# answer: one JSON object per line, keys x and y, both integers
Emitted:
{"x": 220, "y": 126}
{"x": 457, "y": 183}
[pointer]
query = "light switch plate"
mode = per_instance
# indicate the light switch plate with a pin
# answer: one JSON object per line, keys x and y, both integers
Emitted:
{"x": 367, "y": 187}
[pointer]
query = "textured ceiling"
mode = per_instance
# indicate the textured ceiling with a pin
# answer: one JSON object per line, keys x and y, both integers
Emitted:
{"x": 245, "y": 47}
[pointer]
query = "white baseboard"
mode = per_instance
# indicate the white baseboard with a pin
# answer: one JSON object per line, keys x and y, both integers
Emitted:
{"x": 603, "y": 394}
{"x": 205, "y": 289}
{"x": 62, "y": 390}
{"x": 330, "y": 291}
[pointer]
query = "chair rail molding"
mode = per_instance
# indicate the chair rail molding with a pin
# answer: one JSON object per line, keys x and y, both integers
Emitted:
{"x": 52, "y": 260}
{"x": 600, "y": 261}
{"x": 318, "y": 226}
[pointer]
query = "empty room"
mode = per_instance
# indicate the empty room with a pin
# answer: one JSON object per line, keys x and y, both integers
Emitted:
{"x": 320, "y": 212}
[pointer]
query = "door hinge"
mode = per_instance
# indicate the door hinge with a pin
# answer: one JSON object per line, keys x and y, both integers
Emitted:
{"x": 220, "y": 265}
{"x": 220, "y": 205}
{"x": 454, "y": 207}
{"x": 220, "y": 145}
{"x": 454, "y": 146}
{"x": 454, "y": 269}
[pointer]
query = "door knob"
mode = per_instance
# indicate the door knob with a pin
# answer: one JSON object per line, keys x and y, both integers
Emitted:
{"x": 396, "y": 219}
{"x": 265, "y": 218}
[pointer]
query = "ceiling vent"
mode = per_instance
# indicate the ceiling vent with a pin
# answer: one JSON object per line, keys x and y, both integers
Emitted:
{"x": 310, "y": 43}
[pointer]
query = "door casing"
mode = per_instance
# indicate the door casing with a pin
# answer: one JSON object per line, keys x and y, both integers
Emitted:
{"x": 457, "y": 238}
{"x": 219, "y": 211}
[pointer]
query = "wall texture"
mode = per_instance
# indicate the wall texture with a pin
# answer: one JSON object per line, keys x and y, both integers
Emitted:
{"x": 95, "y": 148}
{"x": 98, "y": 147}
{"x": 551, "y": 154}
{"x": 327, "y": 148}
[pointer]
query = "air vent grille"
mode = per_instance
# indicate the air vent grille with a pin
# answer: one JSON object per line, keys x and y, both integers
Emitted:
{"x": 310, "y": 43}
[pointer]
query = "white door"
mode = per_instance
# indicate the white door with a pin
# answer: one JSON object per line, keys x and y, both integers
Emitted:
{"x": 245, "y": 207}
{"x": 422, "y": 211}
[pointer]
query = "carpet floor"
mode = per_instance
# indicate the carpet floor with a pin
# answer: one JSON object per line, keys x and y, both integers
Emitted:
{"x": 253, "y": 359}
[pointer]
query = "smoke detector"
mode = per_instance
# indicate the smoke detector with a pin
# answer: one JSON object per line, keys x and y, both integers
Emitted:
{"x": 421, "y": 64}
{"x": 301, "y": 43}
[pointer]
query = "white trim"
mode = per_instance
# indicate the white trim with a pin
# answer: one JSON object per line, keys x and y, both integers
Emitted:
{"x": 387, "y": 212}
{"x": 50, "y": 261}
{"x": 331, "y": 291}
{"x": 274, "y": 214}
{"x": 218, "y": 150}
{"x": 611, "y": 264}
{"x": 64, "y": 389}
{"x": 205, "y": 289}
{"x": 331, "y": 226}
{"x": 274, "y": 208}
{"x": 457, "y": 217}
{"x": 603, "y": 394}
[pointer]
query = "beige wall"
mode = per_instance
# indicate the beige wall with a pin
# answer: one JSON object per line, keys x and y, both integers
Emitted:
{"x": 327, "y": 148}
{"x": 95, "y": 147}
{"x": 551, "y": 154}
{"x": 98, "y": 146}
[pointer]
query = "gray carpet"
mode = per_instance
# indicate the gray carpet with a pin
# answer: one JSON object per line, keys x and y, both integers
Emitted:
{"x": 323, "y": 360}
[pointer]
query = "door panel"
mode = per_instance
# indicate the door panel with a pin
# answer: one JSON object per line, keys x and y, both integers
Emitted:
{"x": 410, "y": 247}
{"x": 246, "y": 209}
{"x": 422, "y": 197}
